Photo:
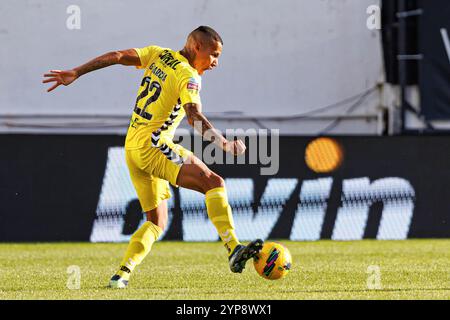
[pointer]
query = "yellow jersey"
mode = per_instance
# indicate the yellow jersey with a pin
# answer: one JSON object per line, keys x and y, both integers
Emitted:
{"x": 169, "y": 82}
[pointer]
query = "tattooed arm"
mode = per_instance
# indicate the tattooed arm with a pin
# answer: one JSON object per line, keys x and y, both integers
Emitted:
{"x": 125, "y": 57}
{"x": 200, "y": 123}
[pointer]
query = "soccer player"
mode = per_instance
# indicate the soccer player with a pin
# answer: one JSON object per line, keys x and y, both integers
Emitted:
{"x": 168, "y": 91}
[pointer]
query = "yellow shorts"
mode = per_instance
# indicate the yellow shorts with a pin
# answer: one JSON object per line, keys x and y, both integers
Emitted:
{"x": 151, "y": 170}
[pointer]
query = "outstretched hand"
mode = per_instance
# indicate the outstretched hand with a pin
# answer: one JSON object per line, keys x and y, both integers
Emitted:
{"x": 60, "y": 77}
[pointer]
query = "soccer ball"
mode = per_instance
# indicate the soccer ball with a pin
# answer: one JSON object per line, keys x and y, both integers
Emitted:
{"x": 273, "y": 261}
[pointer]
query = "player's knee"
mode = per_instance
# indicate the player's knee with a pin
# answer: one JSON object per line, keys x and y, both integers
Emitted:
{"x": 158, "y": 217}
{"x": 162, "y": 224}
{"x": 215, "y": 181}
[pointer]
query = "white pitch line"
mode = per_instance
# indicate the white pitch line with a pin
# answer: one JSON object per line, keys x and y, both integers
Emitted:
{"x": 446, "y": 42}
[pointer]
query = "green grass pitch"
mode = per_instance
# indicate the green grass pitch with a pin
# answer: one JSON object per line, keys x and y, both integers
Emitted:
{"x": 412, "y": 269}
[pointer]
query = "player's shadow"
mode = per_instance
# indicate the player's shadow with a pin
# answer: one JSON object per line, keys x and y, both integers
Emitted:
{"x": 132, "y": 218}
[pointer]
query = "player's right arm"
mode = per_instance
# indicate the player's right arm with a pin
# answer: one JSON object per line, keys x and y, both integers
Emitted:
{"x": 200, "y": 123}
{"x": 127, "y": 57}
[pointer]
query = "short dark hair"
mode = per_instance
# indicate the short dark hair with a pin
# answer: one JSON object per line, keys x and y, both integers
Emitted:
{"x": 208, "y": 31}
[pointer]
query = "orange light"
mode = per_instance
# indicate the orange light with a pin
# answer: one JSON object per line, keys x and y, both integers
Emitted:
{"x": 323, "y": 155}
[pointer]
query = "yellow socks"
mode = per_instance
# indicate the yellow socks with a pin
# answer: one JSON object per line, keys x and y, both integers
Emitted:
{"x": 140, "y": 245}
{"x": 219, "y": 212}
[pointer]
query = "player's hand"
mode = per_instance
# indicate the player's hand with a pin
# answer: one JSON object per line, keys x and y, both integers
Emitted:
{"x": 235, "y": 147}
{"x": 60, "y": 77}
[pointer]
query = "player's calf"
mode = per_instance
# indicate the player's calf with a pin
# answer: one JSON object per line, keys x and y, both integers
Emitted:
{"x": 140, "y": 244}
{"x": 195, "y": 175}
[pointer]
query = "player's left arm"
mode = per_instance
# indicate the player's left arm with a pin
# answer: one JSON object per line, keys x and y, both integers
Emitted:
{"x": 127, "y": 57}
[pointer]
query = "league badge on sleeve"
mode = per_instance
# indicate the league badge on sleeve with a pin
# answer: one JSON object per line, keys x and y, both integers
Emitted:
{"x": 193, "y": 84}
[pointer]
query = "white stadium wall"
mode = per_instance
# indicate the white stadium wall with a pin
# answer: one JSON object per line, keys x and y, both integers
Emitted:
{"x": 280, "y": 59}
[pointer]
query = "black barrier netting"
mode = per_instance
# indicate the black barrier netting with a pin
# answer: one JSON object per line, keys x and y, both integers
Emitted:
{"x": 77, "y": 188}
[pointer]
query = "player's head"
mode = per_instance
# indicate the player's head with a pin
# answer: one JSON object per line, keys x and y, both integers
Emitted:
{"x": 205, "y": 46}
